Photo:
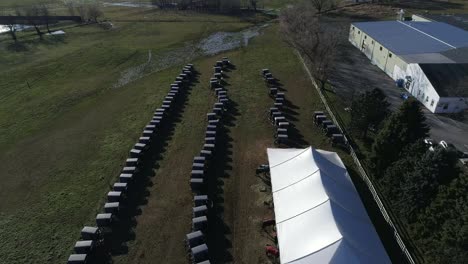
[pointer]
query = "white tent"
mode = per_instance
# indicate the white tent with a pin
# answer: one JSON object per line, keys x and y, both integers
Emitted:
{"x": 319, "y": 215}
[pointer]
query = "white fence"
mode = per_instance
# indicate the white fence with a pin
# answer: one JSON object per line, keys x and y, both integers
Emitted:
{"x": 361, "y": 170}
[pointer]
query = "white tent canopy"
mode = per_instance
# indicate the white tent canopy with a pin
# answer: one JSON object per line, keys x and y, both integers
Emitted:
{"x": 319, "y": 215}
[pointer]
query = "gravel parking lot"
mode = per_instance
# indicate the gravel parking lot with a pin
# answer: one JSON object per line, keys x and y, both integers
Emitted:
{"x": 355, "y": 73}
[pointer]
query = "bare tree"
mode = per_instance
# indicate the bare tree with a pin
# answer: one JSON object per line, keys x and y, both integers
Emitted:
{"x": 320, "y": 5}
{"x": 11, "y": 26}
{"x": 70, "y": 5}
{"x": 12, "y": 32}
{"x": 324, "y": 5}
{"x": 81, "y": 10}
{"x": 254, "y": 3}
{"x": 304, "y": 30}
{"x": 33, "y": 18}
{"x": 94, "y": 12}
{"x": 45, "y": 13}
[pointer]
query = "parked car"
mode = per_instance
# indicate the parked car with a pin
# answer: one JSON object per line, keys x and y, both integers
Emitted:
{"x": 429, "y": 143}
{"x": 462, "y": 156}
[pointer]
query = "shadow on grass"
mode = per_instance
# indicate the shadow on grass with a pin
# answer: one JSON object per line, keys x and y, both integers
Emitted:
{"x": 218, "y": 231}
{"x": 24, "y": 45}
{"x": 384, "y": 230}
{"x": 122, "y": 231}
{"x": 17, "y": 47}
{"x": 296, "y": 139}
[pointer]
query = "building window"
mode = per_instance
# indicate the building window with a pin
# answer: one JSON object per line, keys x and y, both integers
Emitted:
{"x": 432, "y": 102}
{"x": 380, "y": 47}
{"x": 365, "y": 37}
{"x": 372, "y": 42}
{"x": 353, "y": 28}
{"x": 419, "y": 92}
{"x": 390, "y": 55}
{"x": 427, "y": 99}
{"x": 359, "y": 32}
{"x": 446, "y": 106}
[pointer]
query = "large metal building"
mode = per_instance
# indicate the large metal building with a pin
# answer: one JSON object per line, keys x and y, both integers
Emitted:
{"x": 414, "y": 53}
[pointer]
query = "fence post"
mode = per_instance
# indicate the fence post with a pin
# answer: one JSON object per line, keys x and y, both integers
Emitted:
{"x": 361, "y": 170}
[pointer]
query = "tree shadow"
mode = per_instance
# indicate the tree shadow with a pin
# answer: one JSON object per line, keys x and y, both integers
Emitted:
{"x": 54, "y": 39}
{"x": 17, "y": 47}
{"x": 385, "y": 231}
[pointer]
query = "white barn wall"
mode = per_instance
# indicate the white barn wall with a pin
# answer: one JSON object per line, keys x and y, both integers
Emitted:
{"x": 419, "y": 18}
{"x": 400, "y": 63}
{"x": 355, "y": 37}
{"x": 420, "y": 87}
{"x": 376, "y": 52}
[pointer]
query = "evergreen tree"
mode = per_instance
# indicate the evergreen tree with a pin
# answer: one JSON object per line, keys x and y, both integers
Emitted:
{"x": 369, "y": 110}
{"x": 400, "y": 129}
{"x": 441, "y": 231}
{"x": 412, "y": 182}
{"x": 396, "y": 172}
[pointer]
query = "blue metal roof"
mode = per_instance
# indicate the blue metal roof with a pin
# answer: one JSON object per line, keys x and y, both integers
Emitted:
{"x": 403, "y": 38}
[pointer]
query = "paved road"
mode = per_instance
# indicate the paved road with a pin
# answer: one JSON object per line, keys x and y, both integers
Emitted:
{"x": 355, "y": 73}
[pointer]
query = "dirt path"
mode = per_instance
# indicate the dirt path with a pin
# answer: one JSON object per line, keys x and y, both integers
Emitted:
{"x": 251, "y": 135}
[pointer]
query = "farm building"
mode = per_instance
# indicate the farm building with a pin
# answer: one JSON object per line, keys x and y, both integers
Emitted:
{"x": 430, "y": 59}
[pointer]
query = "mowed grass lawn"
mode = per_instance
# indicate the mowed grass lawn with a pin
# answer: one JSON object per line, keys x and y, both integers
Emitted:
{"x": 66, "y": 134}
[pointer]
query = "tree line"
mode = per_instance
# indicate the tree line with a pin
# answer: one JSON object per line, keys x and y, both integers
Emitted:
{"x": 39, "y": 15}
{"x": 216, "y": 5}
{"x": 426, "y": 189}
{"x": 303, "y": 28}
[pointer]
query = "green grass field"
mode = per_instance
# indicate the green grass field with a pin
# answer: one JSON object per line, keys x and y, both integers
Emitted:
{"x": 65, "y": 129}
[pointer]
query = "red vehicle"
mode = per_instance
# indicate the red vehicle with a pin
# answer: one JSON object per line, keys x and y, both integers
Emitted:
{"x": 271, "y": 251}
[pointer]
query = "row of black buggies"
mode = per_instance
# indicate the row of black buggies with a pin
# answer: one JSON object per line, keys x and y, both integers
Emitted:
{"x": 93, "y": 237}
{"x": 275, "y": 115}
{"x": 329, "y": 128}
{"x": 195, "y": 241}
